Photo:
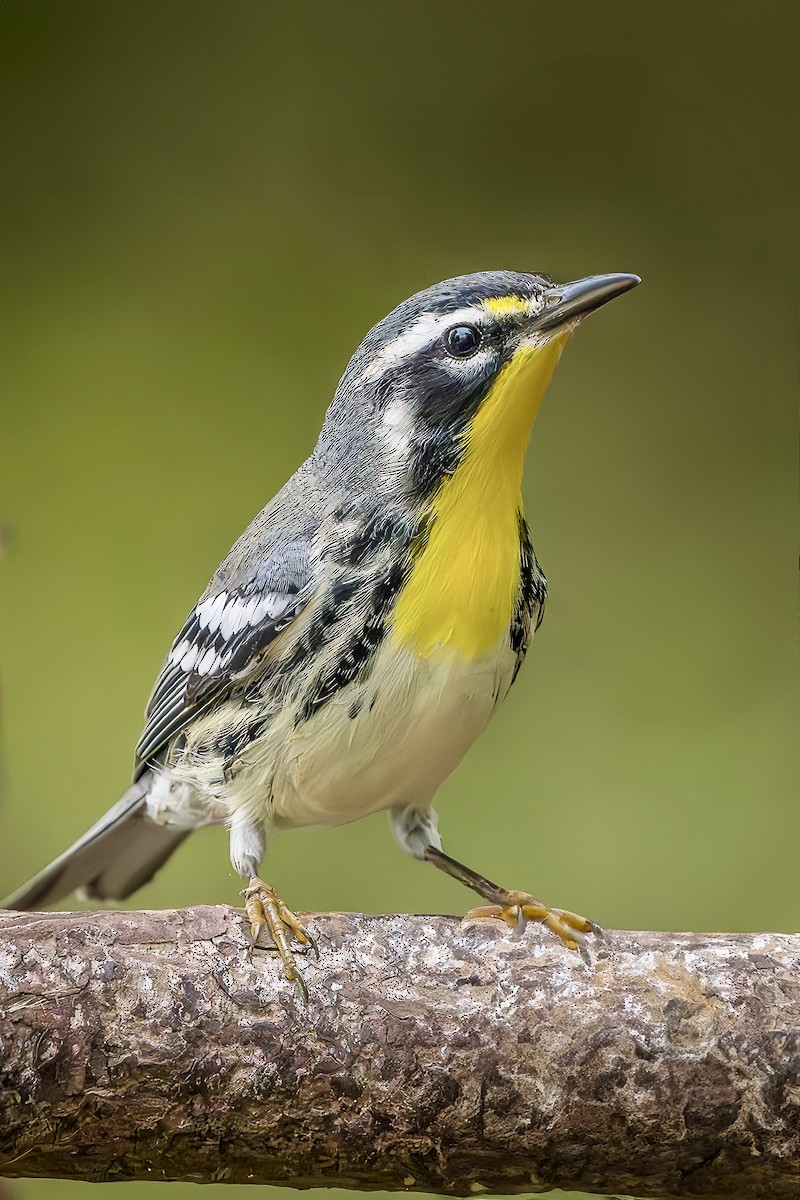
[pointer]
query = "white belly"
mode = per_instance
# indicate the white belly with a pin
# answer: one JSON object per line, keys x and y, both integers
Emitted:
{"x": 414, "y": 721}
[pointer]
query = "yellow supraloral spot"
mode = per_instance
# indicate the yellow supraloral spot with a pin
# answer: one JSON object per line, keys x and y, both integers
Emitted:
{"x": 459, "y": 597}
{"x": 508, "y": 306}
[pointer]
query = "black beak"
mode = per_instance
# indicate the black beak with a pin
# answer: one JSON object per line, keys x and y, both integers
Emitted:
{"x": 572, "y": 301}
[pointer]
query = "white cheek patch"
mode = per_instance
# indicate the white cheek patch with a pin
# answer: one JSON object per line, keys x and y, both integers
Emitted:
{"x": 398, "y": 425}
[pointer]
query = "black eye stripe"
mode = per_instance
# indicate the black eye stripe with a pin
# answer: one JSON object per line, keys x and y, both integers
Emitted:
{"x": 462, "y": 340}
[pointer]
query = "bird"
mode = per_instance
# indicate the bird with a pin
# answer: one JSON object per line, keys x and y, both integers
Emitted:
{"x": 361, "y": 633}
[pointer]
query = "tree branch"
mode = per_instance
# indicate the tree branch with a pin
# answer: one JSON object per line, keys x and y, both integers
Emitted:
{"x": 146, "y": 1045}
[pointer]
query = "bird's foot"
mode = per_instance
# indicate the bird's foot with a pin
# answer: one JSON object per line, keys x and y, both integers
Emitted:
{"x": 266, "y": 910}
{"x": 519, "y": 907}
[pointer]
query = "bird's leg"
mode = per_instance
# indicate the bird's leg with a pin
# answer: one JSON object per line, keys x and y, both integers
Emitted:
{"x": 513, "y": 907}
{"x": 417, "y": 832}
{"x": 266, "y": 910}
{"x": 263, "y": 905}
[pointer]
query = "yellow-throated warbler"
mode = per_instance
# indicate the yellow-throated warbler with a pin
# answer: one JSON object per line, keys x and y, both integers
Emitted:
{"x": 360, "y": 634}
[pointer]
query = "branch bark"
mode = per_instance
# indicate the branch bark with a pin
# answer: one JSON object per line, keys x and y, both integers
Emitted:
{"x": 434, "y": 1057}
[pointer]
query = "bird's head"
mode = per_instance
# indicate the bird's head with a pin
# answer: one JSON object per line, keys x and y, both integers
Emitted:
{"x": 460, "y": 367}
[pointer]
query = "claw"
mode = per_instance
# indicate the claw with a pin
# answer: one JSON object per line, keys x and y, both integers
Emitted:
{"x": 299, "y": 985}
{"x": 313, "y": 946}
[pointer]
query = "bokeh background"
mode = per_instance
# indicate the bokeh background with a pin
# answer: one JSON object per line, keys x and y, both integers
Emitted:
{"x": 205, "y": 205}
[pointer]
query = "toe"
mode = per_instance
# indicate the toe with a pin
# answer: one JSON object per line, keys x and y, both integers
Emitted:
{"x": 574, "y": 921}
{"x": 557, "y": 926}
{"x": 482, "y": 911}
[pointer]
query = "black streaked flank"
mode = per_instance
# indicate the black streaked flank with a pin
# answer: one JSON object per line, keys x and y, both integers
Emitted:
{"x": 531, "y": 596}
{"x": 356, "y": 656}
{"x": 387, "y": 587}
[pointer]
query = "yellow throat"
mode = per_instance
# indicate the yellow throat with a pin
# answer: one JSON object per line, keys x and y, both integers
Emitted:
{"x": 459, "y": 597}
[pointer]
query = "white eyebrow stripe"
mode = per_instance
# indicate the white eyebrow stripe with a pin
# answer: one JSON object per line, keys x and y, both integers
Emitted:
{"x": 423, "y": 331}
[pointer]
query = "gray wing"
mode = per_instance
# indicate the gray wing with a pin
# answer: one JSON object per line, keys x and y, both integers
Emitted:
{"x": 266, "y": 580}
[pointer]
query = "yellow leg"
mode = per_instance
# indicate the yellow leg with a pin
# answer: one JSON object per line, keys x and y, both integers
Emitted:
{"x": 266, "y": 910}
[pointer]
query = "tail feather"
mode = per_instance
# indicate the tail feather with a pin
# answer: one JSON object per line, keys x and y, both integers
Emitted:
{"x": 119, "y": 854}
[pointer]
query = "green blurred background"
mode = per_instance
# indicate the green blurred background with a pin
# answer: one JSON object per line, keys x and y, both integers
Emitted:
{"x": 205, "y": 205}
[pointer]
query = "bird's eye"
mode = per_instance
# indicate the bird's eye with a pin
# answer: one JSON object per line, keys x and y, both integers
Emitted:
{"x": 462, "y": 340}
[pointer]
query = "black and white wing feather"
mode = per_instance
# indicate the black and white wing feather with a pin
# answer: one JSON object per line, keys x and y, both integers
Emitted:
{"x": 253, "y": 597}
